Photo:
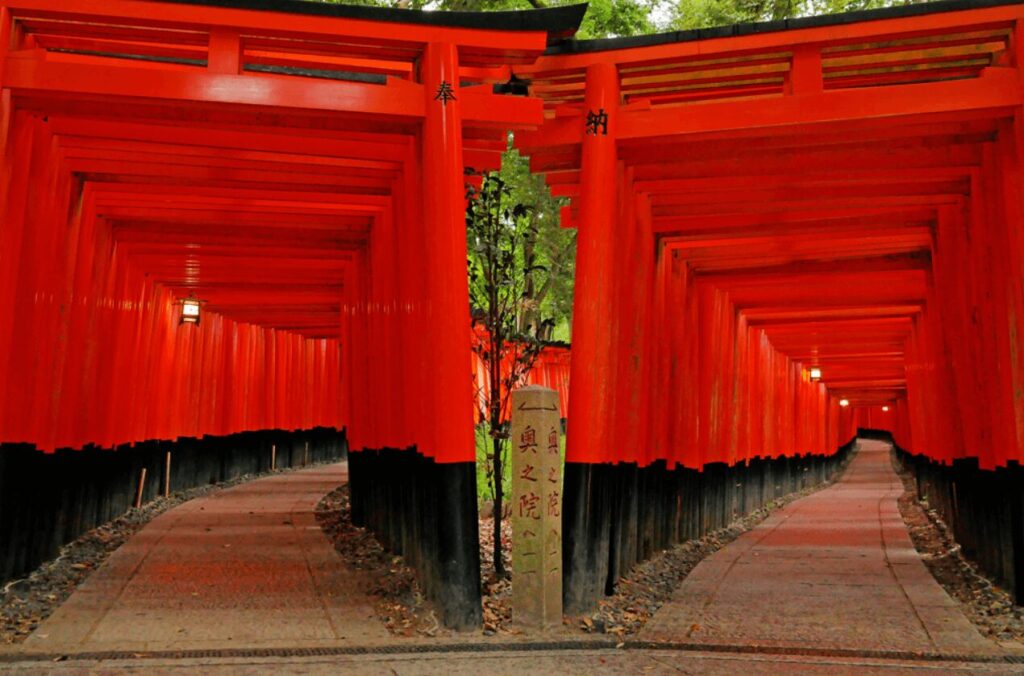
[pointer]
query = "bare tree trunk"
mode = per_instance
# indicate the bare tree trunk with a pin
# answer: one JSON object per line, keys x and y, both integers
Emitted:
{"x": 494, "y": 364}
{"x": 530, "y": 313}
{"x": 499, "y": 563}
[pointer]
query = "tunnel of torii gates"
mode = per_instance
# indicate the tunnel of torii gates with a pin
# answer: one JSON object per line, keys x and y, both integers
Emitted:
{"x": 753, "y": 202}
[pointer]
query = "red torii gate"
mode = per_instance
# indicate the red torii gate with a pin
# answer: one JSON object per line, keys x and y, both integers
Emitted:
{"x": 844, "y": 195}
{"x": 302, "y": 173}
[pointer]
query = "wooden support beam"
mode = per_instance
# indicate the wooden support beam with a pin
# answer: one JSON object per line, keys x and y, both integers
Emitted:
{"x": 225, "y": 51}
{"x": 30, "y": 74}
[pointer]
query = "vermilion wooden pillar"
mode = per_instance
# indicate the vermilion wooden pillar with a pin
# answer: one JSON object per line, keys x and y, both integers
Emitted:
{"x": 660, "y": 354}
{"x": 445, "y": 255}
{"x": 1013, "y": 199}
{"x": 996, "y": 270}
{"x": 448, "y": 392}
{"x": 1012, "y": 142}
{"x": 412, "y": 268}
{"x": 594, "y": 310}
{"x": 593, "y": 368}
{"x": 18, "y": 136}
{"x": 643, "y": 352}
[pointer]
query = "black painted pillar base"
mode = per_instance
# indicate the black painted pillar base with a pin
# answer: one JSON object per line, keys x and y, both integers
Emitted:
{"x": 427, "y": 513}
{"x": 459, "y": 545}
{"x": 984, "y": 510}
{"x": 586, "y": 532}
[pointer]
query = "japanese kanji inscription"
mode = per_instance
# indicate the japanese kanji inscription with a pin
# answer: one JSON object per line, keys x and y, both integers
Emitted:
{"x": 536, "y": 508}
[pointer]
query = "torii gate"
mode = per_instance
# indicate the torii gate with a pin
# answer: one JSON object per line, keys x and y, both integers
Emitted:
{"x": 302, "y": 173}
{"x": 838, "y": 193}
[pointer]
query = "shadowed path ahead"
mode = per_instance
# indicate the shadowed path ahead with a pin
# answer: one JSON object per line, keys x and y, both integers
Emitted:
{"x": 834, "y": 570}
{"x": 245, "y": 567}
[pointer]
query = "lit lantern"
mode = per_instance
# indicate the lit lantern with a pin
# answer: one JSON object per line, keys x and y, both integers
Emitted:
{"x": 885, "y": 408}
{"x": 844, "y": 402}
{"x": 190, "y": 310}
{"x": 815, "y": 374}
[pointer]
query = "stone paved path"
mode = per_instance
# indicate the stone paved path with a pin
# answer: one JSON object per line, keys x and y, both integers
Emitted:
{"x": 248, "y": 567}
{"x": 833, "y": 570}
{"x": 244, "y": 567}
{"x": 513, "y": 663}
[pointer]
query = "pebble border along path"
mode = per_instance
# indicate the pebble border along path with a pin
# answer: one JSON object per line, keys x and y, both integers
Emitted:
{"x": 989, "y": 607}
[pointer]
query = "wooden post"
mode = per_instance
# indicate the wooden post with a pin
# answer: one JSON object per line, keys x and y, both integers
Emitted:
{"x": 595, "y": 322}
{"x": 536, "y": 508}
{"x": 446, "y": 288}
{"x": 167, "y": 475}
{"x": 595, "y": 326}
{"x": 273, "y": 457}
{"x": 142, "y": 484}
{"x": 305, "y": 455}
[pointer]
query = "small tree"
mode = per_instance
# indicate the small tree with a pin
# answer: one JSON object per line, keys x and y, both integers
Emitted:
{"x": 502, "y": 234}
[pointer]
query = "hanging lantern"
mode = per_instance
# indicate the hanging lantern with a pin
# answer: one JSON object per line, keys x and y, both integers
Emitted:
{"x": 190, "y": 310}
{"x": 844, "y": 402}
{"x": 815, "y": 374}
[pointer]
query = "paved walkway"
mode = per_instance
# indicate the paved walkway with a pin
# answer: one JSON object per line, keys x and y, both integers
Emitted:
{"x": 834, "y": 570}
{"x": 244, "y": 567}
{"x": 515, "y": 663}
{"x": 249, "y": 568}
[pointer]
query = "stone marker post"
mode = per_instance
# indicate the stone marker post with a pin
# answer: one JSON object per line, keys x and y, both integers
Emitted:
{"x": 536, "y": 508}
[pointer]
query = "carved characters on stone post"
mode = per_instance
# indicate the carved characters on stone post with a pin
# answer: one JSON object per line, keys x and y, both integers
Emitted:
{"x": 536, "y": 508}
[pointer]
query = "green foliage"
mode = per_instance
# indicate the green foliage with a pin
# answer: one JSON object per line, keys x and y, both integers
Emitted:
{"x": 616, "y": 18}
{"x": 552, "y": 250}
{"x": 501, "y": 234}
{"x": 363, "y": 3}
{"x": 485, "y": 467}
{"x": 605, "y": 18}
{"x": 687, "y": 14}
{"x": 504, "y": 273}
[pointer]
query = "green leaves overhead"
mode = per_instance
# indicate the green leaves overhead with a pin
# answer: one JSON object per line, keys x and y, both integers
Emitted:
{"x": 687, "y": 14}
{"x": 614, "y": 18}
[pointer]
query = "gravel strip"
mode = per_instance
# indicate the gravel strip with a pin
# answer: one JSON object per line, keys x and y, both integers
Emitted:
{"x": 26, "y": 602}
{"x": 400, "y": 604}
{"x": 987, "y": 605}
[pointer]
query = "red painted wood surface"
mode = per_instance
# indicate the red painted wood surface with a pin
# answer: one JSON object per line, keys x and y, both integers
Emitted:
{"x": 550, "y": 369}
{"x": 844, "y": 197}
{"x": 149, "y": 154}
